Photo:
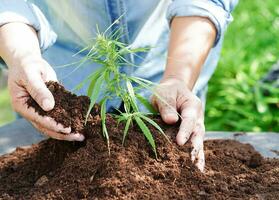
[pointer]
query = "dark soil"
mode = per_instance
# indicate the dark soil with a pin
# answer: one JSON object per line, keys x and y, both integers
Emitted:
{"x": 71, "y": 170}
{"x": 70, "y": 109}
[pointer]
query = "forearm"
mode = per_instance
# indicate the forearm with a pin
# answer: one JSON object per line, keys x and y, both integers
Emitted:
{"x": 191, "y": 39}
{"x": 18, "y": 43}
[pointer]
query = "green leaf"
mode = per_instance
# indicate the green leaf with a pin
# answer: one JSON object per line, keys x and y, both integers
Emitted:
{"x": 128, "y": 122}
{"x": 127, "y": 106}
{"x": 107, "y": 76}
{"x": 121, "y": 117}
{"x": 95, "y": 94}
{"x": 153, "y": 123}
{"x": 80, "y": 85}
{"x": 142, "y": 81}
{"x": 132, "y": 95}
{"x": 103, "y": 118}
{"x": 270, "y": 88}
{"x": 146, "y": 133}
{"x": 94, "y": 77}
{"x": 82, "y": 50}
{"x": 146, "y": 104}
{"x": 261, "y": 105}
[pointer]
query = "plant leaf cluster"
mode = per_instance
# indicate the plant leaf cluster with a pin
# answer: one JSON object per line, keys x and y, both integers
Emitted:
{"x": 109, "y": 82}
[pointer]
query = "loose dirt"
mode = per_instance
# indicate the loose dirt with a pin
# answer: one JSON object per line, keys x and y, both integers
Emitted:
{"x": 72, "y": 170}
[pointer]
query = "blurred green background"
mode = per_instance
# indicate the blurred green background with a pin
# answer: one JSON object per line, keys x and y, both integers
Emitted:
{"x": 6, "y": 114}
{"x": 235, "y": 98}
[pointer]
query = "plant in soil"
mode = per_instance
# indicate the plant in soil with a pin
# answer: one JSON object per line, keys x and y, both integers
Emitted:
{"x": 109, "y": 82}
{"x": 56, "y": 169}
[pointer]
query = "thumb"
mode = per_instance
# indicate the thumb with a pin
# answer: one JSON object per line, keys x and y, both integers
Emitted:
{"x": 40, "y": 93}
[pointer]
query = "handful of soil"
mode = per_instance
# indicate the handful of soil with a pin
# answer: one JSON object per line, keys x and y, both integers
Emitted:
{"x": 70, "y": 110}
{"x": 72, "y": 170}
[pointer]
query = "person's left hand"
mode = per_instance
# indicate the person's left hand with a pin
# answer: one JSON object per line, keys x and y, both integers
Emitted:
{"x": 172, "y": 97}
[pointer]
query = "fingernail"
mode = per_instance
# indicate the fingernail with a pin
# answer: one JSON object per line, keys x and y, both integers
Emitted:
{"x": 193, "y": 158}
{"x": 200, "y": 167}
{"x": 67, "y": 130}
{"x": 171, "y": 115}
{"x": 170, "y": 118}
{"x": 79, "y": 137}
{"x": 61, "y": 128}
{"x": 47, "y": 105}
{"x": 181, "y": 141}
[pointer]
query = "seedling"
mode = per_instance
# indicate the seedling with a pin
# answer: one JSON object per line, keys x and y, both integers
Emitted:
{"x": 109, "y": 82}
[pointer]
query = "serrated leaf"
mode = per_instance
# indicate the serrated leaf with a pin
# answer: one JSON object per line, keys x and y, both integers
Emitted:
{"x": 128, "y": 123}
{"x": 95, "y": 94}
{"x": 146, "y": 104}
{"x": 146, "y": 133}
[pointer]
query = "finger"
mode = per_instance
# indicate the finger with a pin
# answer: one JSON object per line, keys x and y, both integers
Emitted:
{"x": 39, "y": 92}
{"x": 59, "y": 136}
{"x": 167, "y": 109}
{"x": 190, "y": 111}
{"x": 200, "y": 160}
{"x": 197, "y": 144}
{"x": 51, "y": 124}
{"x": 43, "y": 121}
{"x": 49, "y": 74}
{"x": 185, "y": 130}
{"x": 154, "y": 102}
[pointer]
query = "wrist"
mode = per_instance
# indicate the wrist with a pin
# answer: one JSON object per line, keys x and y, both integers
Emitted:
{"x": 185, "y": 74}
{"x": 177, "y": 79}
{"x": 16, "y": 48}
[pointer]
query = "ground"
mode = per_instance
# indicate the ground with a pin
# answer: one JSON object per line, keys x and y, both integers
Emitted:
{"x": 250, "y": 48}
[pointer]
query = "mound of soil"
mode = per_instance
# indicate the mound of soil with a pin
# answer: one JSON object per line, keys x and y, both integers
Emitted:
{"x": 72, "y": 170}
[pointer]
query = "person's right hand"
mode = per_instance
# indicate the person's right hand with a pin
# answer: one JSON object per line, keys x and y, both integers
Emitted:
{"x": 28, "y": 78}
{"x": 28, "y": 72}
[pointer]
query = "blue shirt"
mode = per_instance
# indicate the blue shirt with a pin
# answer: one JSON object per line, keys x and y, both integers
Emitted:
{"x": 66, "y": 26}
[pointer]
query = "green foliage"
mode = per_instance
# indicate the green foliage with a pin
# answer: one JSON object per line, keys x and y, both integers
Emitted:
{"x": 110, "y": 82}
{"x": 6, "y": 113}
{"x": 146, "y": 133}
{"x": 236, "y": 100}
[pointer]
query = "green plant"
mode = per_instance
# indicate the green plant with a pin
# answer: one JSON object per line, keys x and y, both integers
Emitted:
{"x": 110, "y": 82}
{"x": 236, "y": 100}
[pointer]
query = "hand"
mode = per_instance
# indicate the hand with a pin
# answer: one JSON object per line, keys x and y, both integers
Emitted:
{"x": 28, "y": 72}
{"x": 27, "y": 78}
{"x": 173, "y": 96}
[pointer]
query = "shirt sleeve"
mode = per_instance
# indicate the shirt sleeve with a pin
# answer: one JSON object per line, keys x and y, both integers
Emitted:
{"x": 30, "y": 14}
{"x": 217, "y": 11}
